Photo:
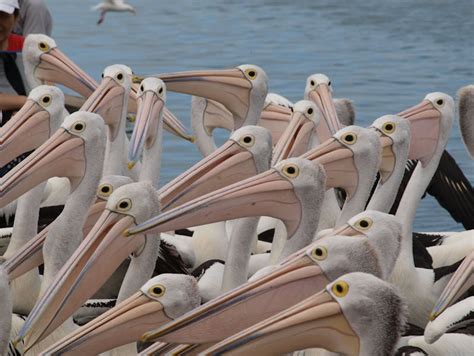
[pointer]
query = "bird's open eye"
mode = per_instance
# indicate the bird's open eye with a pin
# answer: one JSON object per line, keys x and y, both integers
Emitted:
{"x": 319, "y": 253}
{"x": 102, "y": 75}
{"x": 364, "y": 224}
{"x": 247, "y": 140}
{"x": 312, "y": 83}
{"x": 440, "y": 102}
{"x": 160, "y": 91}
{"x": 350, "y": 138}
{"x": 43, "y": 46}
{"x": 79, "y": 126}
{"x": 142, "y": 88}
{"x": 251, "y": 73}
{"x": 291, "y": 170}
{"x": 388, "y": 127}
{"x": 119, "y": 77}
{"x": 124, "y": 205}
{"x": 157, "y": 290}
{"x": 310, "y": 111}
{"x": 105, "y": 190}
{"x": 46, "y": 100}
{"x": 340, "y": 288}
{"x": 329, "y": 83}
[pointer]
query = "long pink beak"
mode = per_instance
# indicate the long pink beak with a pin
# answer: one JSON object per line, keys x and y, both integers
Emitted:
{"x": 316, "y": 322}
{"x": 123, "y": 324}
{"x": 275, "y": 118}
{"x": 246, "y": 305}
{"x": 425, "y": 121}
{"x": 322, "y": 97}
{"x": 62, "y": 155}
{"x": 26, "y": 131}
{"x": 56, "y": 67}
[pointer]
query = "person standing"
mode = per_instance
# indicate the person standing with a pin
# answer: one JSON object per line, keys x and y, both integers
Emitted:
{"x": 35, "y": 17}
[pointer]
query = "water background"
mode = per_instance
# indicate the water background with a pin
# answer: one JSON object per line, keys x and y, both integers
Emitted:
{"x": 385, "y": 56}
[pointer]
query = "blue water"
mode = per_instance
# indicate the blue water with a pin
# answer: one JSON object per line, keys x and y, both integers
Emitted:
{"x": 383, "y": 55}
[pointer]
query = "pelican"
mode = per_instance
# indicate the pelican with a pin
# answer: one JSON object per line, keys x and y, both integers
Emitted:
{"x": 75, "y": 151}
{"x": 5, "y": 312}
{"x": 112, "y": 5}
{"x": 466, "y": 116}
{"x": 370, "y": 236}
{"x": 358, "y": 314}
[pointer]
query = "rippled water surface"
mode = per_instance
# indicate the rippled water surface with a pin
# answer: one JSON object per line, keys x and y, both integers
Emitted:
{"x": 383, "y": 55}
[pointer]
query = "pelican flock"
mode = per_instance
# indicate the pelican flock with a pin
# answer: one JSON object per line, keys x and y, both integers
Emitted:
{"x": 293, "y": 236}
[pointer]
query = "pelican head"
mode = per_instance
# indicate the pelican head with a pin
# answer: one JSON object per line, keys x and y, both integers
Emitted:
{"x": 45, "y": 63}
{"x": 247, "y": 152}
{"x": 94, "y": 261}
{"x": 160, "y": 300}
{"x": 151, "y": 99}
{"x": 430, "y": 122}
{"x": 358, "y": 314}
{"x": 33, "y": 123}
{"x": 301, "y": 275}
{"x": 276, "y": 115}
{"x": 63, "y": 155}
{"x": 466, "y": 114}
{"x": 299, "y": 135}
{"x": 319, "y": 90}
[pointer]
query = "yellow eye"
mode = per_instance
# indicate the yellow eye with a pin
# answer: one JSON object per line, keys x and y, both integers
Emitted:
{"x": 105, "y": 190}
{"x": 124, "y": 205}
{"x": 440, "y": 102}
{"x": 350, "y": 138}
{"x": 291, "y": 170}
{"x": 119, "y": 77}
{"x": 319, "y": 253}
{"x": 247, "y": 140}
{"x": 46, "y": 100}
{"x": 43, "y": 46}
{"x": 340, "y": 288}
{"x": 389, "y": 127}
{"x": 157, "y": 290}
{"x": 251, "y": 73}
{"x": 79, "y": 126}
{"x": 364, "y": 224}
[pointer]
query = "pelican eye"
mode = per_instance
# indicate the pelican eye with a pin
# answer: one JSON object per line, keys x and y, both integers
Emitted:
{"x": 364, "y": 223}
{"x": 43, "y": 46}
{"x": 320, "y": 253}
{"x": 312, "y": 83}
{"x": 340, "y": 288}
{"x": 157, "y": 290}
{"x": 119, "y": 77}
{"x": 291, "y": 170}
{"x": 349, "y": 138}
{"x": 102, "y": 75}
{"x": 329, "y": 83}
{"x": 251, "y": 73}
{"x": 79, "y": 126}
{"x": 440, "y": 102}
{"x": 160, "y": 91}
{"x": 105, "y": 190}
{"x": 388, "y": 127}
{"x": 310, "y": 111}
{"x": 124, "y": 205}
{"x": 142, "y": 88}
{"x": 247, "y": 140}
{"x": 46, "y": 100}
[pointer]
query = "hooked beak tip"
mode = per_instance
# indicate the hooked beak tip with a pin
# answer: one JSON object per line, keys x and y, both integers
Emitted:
{"x": 127, "y": 233}
{"x": 130, "y": 165}
{"x": 192, "y": 139}
{"x": 137, "y": 79}
{"x": 132, "y": 118}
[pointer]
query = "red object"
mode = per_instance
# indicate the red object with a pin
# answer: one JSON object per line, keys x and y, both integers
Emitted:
{"x": 15, "y": 43}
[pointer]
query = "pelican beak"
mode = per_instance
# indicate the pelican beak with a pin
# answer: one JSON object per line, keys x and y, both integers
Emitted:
{"x": 460, "y": 282}
{"x": 387, "y": 163}
{"x": 296, "y": 138}
{"x": 150, "y": 108}
{"x": 266, "y": 194}
{"x": 327, "y": 127}
{"x": 246, "y": 305}
{"x": 27, "y": 130}
{"x": 230, "y": 163}
{"x": 425, "y": 121}
{"x": 62, "y": 155}
{"x": 338, "y": 161}
{"x": 316, "y": 322}
{"x": 172, "y": 124}
{"x": 56, "y": 67}
{"x": 85, "y": 272}
{"x": 346, "y": 230}
{"x": 229, "y": 87}
{"x": 107, "y": 101}
{"x": 275, "y": 118}
{"x": 123, "y": 324}
{"x": 31, "y": 254}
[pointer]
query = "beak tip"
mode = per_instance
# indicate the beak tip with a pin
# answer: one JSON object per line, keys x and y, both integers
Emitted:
{"x": 132, "y": 118}
{"x": 130, "y": 165}
{"x": 127, "y": 233}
